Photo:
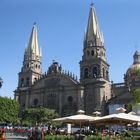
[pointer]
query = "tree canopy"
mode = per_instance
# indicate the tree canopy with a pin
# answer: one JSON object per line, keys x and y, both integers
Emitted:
{"x": 38, "y": 115}
{"x": 9, "y": 110}
{"x": 136, "y": 94}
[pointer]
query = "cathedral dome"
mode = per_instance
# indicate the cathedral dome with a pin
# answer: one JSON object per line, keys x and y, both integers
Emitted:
{"x": 133, "y": 69}
{"x": 54, "y": 68}
{"x": 133, "y": 72}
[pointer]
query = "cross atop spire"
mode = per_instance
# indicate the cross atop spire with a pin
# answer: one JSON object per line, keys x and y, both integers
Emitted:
{"x": 34, "y": 23}
{"x": 92, "y": 4}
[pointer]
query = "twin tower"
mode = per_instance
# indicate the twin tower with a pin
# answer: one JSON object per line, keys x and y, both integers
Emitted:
{"x": 60, "y": 90}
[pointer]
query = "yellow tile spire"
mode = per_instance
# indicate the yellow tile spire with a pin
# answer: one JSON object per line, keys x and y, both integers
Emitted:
{"x": 33, "y": 50}
{"x": 94, "y": 34}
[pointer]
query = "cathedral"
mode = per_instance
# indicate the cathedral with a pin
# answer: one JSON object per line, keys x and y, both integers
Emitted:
{"x": 62, "y": 91}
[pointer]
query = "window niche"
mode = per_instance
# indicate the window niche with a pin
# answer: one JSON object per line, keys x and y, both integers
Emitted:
{"x": 70, "y": 99}
{"x": 22, "y": 82}
{"x": 35, "y": 79}
{"x": 28, "y": 65}
{"x": 86, "y": 73}
{"x": 92, "y": 52}
{"x": 95, "y": 72}
{"x": 88, "y": 53}
{"x": 107, "y": 77}
{"x": 27, "y": 81}
{"x": 36, "y": 102}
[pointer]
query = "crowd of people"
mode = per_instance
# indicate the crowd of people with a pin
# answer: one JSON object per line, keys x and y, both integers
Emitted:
{"x": 39, "y": 133}
{"x": 36, "y": 133}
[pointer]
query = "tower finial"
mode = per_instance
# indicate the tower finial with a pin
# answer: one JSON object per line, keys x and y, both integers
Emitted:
{"x": 34, "y": 23}
{"x": 92, "y": 4}
{"x": 53, "y": 60}
{"x": 136, "y": 47}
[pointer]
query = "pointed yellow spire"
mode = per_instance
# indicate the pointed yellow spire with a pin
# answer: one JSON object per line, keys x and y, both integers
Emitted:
{"x": 94, "y": 34}
{"x": 33, "y": 51}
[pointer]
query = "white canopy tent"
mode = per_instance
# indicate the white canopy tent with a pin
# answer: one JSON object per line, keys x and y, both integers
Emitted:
{"x": 79, "y": 119}
{"x": 76, "y": 119}
{"x": 120, "y": 118}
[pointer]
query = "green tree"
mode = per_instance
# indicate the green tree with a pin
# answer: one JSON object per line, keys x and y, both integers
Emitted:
{"x": 137, "y": 71}
{"x": 9, "y": 110}
{"x": 136, "y": 94}
{"x": 31, "y": 116}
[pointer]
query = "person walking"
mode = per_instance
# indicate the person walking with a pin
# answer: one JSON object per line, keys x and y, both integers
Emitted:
{"x": 39, "y": 133}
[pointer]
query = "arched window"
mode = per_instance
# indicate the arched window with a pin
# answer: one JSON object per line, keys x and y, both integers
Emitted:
{"x": 28, "y": 65}
{"x": 35, "y": 79}
{"x": 22, "y": 82}
{"x": 107, "y": 75}
{"x": 87, "y": 53}
{"x": 27, "y": 81}
{"x": 70, "y": 99}
{"x": 92, "y": 52}
{"x": 86, "y": 73}
{"x": 95, "y": 72}
{"x": 35, "y": 102}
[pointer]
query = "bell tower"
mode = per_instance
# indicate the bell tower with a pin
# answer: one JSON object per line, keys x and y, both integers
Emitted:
{"x": 94, "y": 69}
{"x": 31, "y": 69}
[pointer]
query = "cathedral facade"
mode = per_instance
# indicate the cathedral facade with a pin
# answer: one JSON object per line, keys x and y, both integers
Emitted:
{"x": 61, "y": 90}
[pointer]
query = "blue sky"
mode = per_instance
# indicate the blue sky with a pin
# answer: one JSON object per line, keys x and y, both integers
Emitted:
{"x": 61, "y": 25}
